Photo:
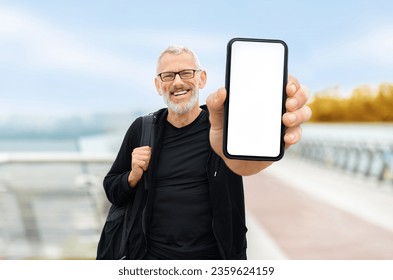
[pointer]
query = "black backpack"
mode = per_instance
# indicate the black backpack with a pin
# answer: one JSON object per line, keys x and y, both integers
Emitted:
{"x": 120, "y": 220}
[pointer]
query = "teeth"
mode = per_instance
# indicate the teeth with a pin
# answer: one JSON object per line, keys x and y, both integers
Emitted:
{"x": 180, "y": 92}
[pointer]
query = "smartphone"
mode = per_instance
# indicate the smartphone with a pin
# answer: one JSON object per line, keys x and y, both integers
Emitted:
{"x": 256, "y": 78}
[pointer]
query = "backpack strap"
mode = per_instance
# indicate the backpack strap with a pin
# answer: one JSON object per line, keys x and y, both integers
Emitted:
{"x": 147, "y": 139}
{"x": 147, "y": 130}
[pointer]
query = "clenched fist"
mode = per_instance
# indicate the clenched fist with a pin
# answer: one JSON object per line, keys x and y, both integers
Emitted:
{"x": 139, "y": 164}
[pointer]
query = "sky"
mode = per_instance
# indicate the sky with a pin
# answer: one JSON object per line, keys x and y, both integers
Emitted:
{"x": 91, "y": 56}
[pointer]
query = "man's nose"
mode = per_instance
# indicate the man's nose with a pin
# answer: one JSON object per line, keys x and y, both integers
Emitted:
{"x": 177, "y": 79}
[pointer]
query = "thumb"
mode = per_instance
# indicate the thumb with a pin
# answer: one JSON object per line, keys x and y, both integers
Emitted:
{"x": 215, "y": 105}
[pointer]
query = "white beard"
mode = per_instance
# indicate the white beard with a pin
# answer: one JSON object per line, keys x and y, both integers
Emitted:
{"x": 183, "y": 107}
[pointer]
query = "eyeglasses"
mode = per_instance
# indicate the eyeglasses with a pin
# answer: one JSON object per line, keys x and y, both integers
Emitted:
{"x": 183, "y": 74}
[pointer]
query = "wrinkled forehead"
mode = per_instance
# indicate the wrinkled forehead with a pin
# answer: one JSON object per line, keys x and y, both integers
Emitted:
{"x": 175, "y": 62}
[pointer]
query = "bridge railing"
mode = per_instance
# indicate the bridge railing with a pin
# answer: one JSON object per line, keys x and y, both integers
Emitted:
{"x": 369, "y": 159}
{"x": 52, "y": 205}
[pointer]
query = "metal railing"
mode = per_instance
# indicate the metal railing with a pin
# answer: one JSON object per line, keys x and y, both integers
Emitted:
{"x": 52, "y": 205}
{"x": 372, "y": 160}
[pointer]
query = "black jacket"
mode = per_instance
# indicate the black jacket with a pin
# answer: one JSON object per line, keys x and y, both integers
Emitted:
{"x": 226, "y": 192}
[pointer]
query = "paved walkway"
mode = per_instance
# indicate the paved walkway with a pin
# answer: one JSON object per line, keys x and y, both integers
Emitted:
{"x": 299, "y": 210}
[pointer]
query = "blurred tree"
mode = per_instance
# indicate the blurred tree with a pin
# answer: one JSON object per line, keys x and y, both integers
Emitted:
{"x": 384, "y": 101}
{"x": 364, "y": 105}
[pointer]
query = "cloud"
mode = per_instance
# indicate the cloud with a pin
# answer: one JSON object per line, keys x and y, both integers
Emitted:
{"x": 49, "y": 47}
{"x": 375, "y": 46}
{"x": 361, "y": 58}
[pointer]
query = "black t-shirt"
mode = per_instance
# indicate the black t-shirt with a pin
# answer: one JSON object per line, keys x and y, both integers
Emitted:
{"x": 181, "y": 224}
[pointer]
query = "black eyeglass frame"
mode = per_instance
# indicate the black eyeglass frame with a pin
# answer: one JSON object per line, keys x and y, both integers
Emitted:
{"x": 178, "y": 73}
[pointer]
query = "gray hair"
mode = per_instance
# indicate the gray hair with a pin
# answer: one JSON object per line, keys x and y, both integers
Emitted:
{"x": 178, "y": 49}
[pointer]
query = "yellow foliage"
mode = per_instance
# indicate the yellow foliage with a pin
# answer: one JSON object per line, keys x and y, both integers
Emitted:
{"x": 363, "y": 105}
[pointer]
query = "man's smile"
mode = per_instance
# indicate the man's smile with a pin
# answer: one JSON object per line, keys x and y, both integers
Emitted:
{"x": 179, "y": 93}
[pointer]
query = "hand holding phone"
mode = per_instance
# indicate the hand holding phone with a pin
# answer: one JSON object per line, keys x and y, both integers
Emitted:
{"x": 256, "y": 76}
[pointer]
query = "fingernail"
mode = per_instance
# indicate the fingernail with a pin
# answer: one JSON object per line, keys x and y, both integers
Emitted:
{"x": 293, "y": 88}
{"x": 291, "y": 118}
{"x": 292, "y": 102}
{"x": 289, "y": 138}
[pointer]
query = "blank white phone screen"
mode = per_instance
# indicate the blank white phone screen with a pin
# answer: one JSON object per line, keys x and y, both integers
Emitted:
{"x": 256, "y": 99}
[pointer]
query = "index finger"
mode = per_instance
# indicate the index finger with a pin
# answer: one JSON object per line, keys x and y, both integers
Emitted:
{"x": 143, "y": 149}
{"x": 292, "y": 86}
{"x": 298, "y": 100}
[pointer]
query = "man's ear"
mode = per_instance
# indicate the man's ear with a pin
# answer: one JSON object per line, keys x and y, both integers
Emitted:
{"x": 158, "y": 85}
{"x": 202, "y": 79}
